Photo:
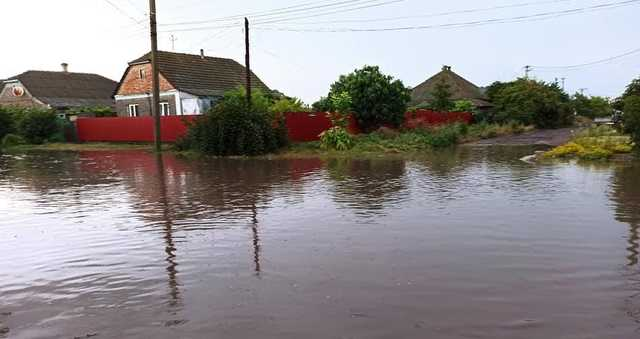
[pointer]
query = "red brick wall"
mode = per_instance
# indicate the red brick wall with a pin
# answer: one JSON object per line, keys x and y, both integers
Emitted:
{"x": 132, "y": 84}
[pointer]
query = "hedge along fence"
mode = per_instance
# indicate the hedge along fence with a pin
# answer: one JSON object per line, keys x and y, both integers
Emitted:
{"x": 302, "y": 126}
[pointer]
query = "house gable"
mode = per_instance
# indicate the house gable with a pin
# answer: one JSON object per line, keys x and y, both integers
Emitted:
{"x": 137, "y": 80}
{"x": 9, "y": 98}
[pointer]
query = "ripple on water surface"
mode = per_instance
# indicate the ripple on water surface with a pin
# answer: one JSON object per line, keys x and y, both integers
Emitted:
{"x": 458, "y": 244}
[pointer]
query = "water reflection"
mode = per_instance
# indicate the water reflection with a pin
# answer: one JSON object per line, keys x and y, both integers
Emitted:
{"x": 368, "y": 186}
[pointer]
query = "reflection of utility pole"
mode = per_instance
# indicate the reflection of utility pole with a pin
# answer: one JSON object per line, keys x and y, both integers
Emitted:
{"x": 256, "y": 239}
{"x": 169, "y": 248}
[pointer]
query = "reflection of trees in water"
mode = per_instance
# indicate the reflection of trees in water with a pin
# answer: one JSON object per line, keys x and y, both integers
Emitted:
{"x": 626, "y": 198}
{"x": 368, "y": 185}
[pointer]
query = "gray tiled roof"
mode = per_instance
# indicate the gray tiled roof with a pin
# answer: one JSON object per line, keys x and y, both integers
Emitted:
{"x": 66, "y": 89}
{"x": 202, "y": 76}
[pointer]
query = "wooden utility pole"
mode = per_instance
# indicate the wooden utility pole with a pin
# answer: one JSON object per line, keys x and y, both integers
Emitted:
{"x": 527, "y": 69}
{"x": 155, "y": 79}
{"x": 247, "y": 61}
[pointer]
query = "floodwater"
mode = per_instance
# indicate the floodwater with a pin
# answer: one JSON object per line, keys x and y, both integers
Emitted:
{"x": 470, "y": 243}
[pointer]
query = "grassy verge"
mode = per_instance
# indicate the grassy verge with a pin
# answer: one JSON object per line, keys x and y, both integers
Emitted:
{"x": 408, "y": 142}
{"x": 93, "y": 146}
{"x": 595, "y": 143}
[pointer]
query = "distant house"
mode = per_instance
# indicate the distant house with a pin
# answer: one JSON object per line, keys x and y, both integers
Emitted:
{"x": 189, "y": 84}
{"x": 461, "y": 89}
{"x": 58, "y": 90}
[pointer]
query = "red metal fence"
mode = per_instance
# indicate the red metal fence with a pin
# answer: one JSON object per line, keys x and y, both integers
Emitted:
{"x": 302, "y": 126}
{"x": 130, "y": 129}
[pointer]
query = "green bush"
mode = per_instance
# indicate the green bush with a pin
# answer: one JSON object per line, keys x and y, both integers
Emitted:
{"x": 6, "y": 122}
{"x": 285, "y": 105}
{"x": 532, "y": 102}
{"x": 37, "y": 126}
{"x": 231, "y": 128}
{"x": 378, "y": 99}
{"x": 12, "y": 140}
{"x": 632, "y": 117}
{"x": 337, "y": 137}
{"x": 463, "y": 106}
{"x": 591, "y": 107}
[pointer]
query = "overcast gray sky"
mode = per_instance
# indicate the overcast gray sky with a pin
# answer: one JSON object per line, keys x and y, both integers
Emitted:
{"x": 101, "y": 36}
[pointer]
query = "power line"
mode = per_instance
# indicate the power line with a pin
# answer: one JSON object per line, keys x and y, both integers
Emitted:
{"x": 280, "y": 11}
{"x": 597, "y": 62}
{"x": 431, "y": 15}
{"x": 123, "y": 12}
{"x": 276, "y": 20}
{"x": 522, "y": 18}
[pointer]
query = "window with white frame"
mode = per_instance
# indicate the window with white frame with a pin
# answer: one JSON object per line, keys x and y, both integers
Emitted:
{"x": 133, "y": 110}
{"x": 165, "y": 109}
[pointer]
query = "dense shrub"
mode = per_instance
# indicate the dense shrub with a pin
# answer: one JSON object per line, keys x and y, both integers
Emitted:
{"x": 591, "y": 107}
{"x": 231, "y": 128}
{"x": 97, "y": 111}
{"x": 593, "y": 144}
{"x": 378, "y": 99}
{"x": 37, "y": 125}
{"x": 463, "y": 106}
{"x": 12, "y": 140}
{"x": 285, "y": 105}
{"x": 337, "y": 137}
{"x": 532, "y": 102}
{"x": 632, "y": 117}
{"x": 6, "y": 122}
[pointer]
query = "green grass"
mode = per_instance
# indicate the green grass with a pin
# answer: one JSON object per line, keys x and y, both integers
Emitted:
{"x": 408, "y": 142}
{"x": 93, "y": 146}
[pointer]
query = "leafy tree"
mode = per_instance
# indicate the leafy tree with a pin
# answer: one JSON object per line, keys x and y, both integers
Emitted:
{"x": 285, "y": 105}
{"x": 337, "y": 137}
{"x": 632, "y": 89}
{"x": 591, "y": 107}
{"x": 493, "y": 91}
{"x": 441, "y": 101}
{"x": 463, "y": 106}
{"x": 6, "y": 122}
{"x": 533, "y": 102}
{"x": 322, "y": 105}
{"x": 231, "y": 128}
{"x": 378, "y": 99}
{"x": 632, "y": 117}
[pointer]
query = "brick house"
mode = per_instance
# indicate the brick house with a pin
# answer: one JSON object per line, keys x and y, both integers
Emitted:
{"x": 461, "y": 89}
{"x": 58, "y": 90}
{"x": 189, "y": 84}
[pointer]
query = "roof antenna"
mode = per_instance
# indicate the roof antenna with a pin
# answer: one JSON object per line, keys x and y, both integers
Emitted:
{"x": 201, "y": 53}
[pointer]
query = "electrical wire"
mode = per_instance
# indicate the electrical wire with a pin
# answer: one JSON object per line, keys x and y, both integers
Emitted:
{"x": 587, "y": 64}
{"x": 431, "y": 15}
{"x": 123, "y": 12}
{"x": 275, "y": 12}
{"x": 522, "y": 18}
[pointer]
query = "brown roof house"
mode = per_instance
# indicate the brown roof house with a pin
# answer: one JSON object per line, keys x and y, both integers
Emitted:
{"x": 189, "y": 84}
{"x": 461, "y": 89}
{"x": 58, "y": 90}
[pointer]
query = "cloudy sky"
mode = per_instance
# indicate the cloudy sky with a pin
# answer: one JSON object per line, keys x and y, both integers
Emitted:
{"x": 301, "y": 46}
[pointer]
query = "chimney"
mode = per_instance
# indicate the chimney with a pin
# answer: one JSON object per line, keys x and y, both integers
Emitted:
{"x": 202, "y": 53}
{"x": 65, "y": 67}
{"x": 446, "y": 68}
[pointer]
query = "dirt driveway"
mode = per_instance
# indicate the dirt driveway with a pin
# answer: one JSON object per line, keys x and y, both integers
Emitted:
{"x": 549, "y": 137}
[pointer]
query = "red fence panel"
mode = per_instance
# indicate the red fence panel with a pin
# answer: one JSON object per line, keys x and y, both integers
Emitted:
{"x": 306, "y": 126}
{"x": 124, "y": 129}
{"x": 425, "y": 118}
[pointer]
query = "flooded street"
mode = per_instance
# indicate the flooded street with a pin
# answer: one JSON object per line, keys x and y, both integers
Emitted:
{"x": 470, "y": 243}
